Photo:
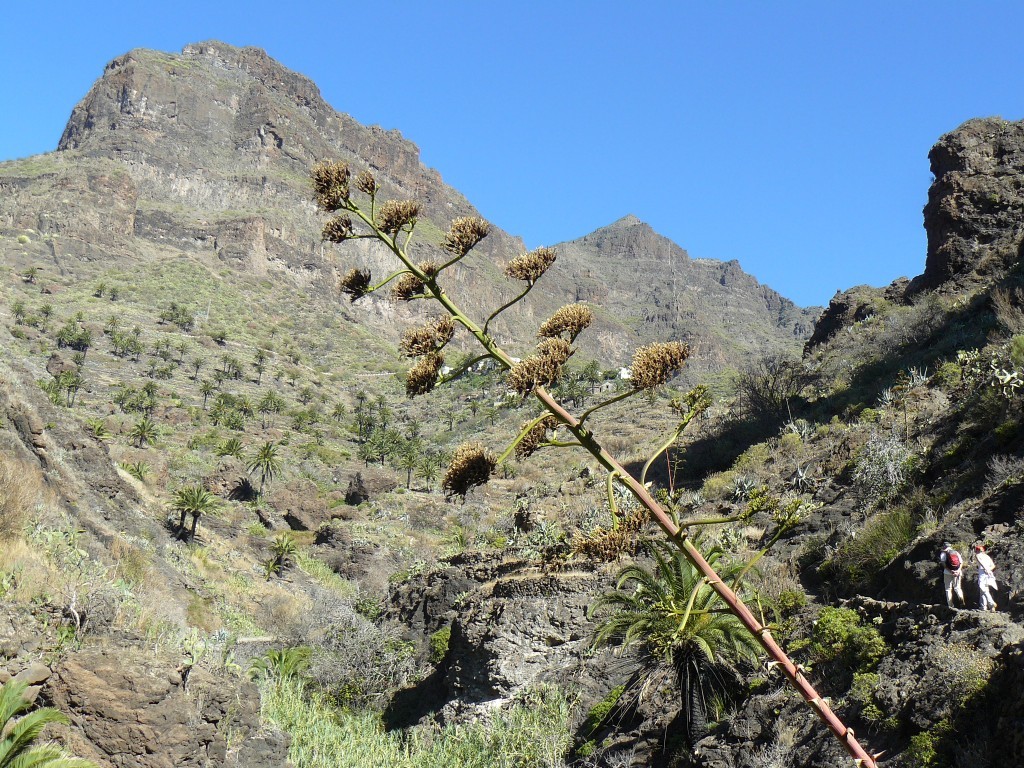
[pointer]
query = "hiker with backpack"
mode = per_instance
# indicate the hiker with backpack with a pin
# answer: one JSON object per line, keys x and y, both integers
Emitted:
{"x": 986, "y": 577}
{"x": 952, "y": 570}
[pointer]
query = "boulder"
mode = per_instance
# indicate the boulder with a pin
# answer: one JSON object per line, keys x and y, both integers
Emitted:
{"x": 132, "y": 709}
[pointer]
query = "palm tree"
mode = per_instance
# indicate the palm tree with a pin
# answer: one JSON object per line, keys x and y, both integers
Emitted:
{"x": 259, "y": 364}
{"x": 266, "y": 462}
{"x": 679, "y": 625}
{"x": 427, "y": 470}
{"x": 18, "y": 747}
{"x": 144, "y": 432}
{"x": 206, "y": 389}
{"x": 408, "y": 458}
{"x": 193, "y": 500}
{"x": 271, "y": 402}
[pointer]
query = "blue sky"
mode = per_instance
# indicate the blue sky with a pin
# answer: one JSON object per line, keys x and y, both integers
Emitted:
{"x": 792, "y": 136}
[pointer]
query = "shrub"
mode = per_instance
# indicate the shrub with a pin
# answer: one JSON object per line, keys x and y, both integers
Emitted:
{"x": 719, "y": 486}
{"x": 966, "y": 669}
{"x": 948, "y": 376}
{"x": 857, "y": 561}
{"x": 439, "y": 644}
{"x": 600, "y": 711}
{"x": 838, "y": 635}
{"x": 884, "y": 466}
{"x": 869, "y": 416}
{"x": 862, "y": 693}
{"x": 765, "y": 388}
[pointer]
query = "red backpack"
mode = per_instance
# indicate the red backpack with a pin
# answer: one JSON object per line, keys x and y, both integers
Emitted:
{"x": 953, "y": 560}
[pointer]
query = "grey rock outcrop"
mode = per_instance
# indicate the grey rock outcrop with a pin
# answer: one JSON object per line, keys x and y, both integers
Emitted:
{"x": 975, "y": 211}
{"x": 133, "y": 709}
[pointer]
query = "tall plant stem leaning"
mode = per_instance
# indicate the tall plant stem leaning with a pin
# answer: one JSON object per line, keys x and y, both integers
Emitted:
{"x": 677, "y": 535}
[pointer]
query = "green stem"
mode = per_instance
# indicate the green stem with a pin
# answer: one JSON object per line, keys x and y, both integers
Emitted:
{"x": 387, "y": 280}
{"x": 611, "y": 499}
{"x": 714, "y": 521}
{"x": 606, "y": 403}
{"x": 519, "y": 438}
{"x": 462, "y": 369}
{"x": 452, "y": 262}
{"x": 505, "y": 306}
{"x": 661, "y": 449}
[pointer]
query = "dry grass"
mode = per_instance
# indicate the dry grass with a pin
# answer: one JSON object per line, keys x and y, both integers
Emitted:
{"x": 21, "y": 491}
{"x": 132, "y": 562}
{"x": 33, "y": 575}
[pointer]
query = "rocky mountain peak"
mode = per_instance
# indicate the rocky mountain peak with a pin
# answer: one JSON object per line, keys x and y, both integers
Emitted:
{"x": 975, "y": 211}
{"x": 209, "y": 151}
{"x": 629, "y": 220}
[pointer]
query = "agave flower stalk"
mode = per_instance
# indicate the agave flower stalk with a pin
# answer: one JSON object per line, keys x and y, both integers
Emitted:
{"x": 657, "y": 363}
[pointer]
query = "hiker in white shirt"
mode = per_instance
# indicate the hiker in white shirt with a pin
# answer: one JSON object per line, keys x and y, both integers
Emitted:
{"x": 952, "y": 570}
{"x": 986, "y": 577}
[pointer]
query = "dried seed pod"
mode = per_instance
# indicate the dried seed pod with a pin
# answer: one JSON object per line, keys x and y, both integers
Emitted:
{"x": 409, "y": 285}
{"x": 365, "y": 182}
{"x": 696, "y": 400}
{"x": 406, "y": 286}
{"x": 395, "y": 214}
{"x": 422, "y": 377}
{"x": 428, "y": 338}
{"x": 570, "y": 320}
{"x": 472, "y": 465}
{"x": 530, "y": 266}
{"x": 541, "y": 369}
{"x": 654, "y": 364}
{"x": 464, "y": 234}
{"x": 330, "y": 184}
{"x": 356, "y": 283}
{"x": 338, "y": 230}
{"x": 533, "y": 439}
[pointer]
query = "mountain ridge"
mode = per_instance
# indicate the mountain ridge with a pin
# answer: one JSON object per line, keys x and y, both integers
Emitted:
{"x": 217, "y": 143}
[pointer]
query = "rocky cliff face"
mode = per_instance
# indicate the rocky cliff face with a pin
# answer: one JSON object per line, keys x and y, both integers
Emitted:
{"x": 206, "y": 154}
{"x": 975, "y": 211}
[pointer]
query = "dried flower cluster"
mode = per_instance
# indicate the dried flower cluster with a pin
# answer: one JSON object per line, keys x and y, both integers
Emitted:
{"x": 422, "y": 377}
{"x": 356, "y": 283}
{"x": 538, "y": 435}
{"x": 541, "y": 369}
{"x": 472, "y": 465}
{"x": 395, "y": 214}
{"x": 330, "y": 184}
{"x": 654, "y": 364}
{"x": 338, "y": 230}
{"x": 464, "y": 234}
{"x": 365, "y": 182}
{"x": 409, "y": 285}
{"x": 428, "y": 338}
{"x": 530, "y": 266}
{"x": 570, "y": 320}
{"x": 607, "y": 545}
{"x": 696, "y": 400}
